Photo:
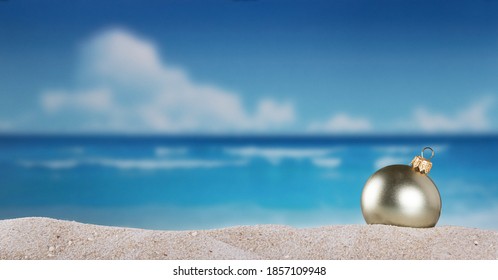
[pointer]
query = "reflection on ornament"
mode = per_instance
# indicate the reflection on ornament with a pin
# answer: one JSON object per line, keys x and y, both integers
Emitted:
{"x": 402, "y": 195}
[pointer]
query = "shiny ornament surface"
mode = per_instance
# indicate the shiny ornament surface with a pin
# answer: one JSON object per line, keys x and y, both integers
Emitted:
{"x": 402, "y": 196}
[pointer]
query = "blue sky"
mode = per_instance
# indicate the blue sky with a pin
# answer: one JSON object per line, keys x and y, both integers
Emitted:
{"x": 249, "y": 66}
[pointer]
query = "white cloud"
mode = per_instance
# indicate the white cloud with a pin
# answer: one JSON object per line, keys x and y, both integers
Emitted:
{"x": 342, "y": 123}
{"x": 91, "y": 100}
{"x": 132, "y": 89}
{"x": 473, "y": 118}
{"x": 125, "y": 86}
{"x": 270, "y": 110}
{"x": 4, "y": 125}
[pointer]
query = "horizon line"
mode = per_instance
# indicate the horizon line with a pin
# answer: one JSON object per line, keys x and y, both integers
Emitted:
{"x": 250, "y": 135}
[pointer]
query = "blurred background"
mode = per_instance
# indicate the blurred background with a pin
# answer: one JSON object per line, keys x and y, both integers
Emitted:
{"x": 206, "y": 114}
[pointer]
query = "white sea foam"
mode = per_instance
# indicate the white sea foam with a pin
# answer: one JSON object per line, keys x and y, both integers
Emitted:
{"x": 275, "y": 155}
{"x": 327, "y": 162}
{"x": 151, "y": 164}
{"x": 50, "y": 164}
{"x": 390, "y": 160}
{"x": 402, "y": 154}
{"x": 144, "y": 164}
{"x": 408, "y": 149}
{"x": 77, "y": 150}
{"x": 396, "y": 149}
{"x": 167, "y": 151}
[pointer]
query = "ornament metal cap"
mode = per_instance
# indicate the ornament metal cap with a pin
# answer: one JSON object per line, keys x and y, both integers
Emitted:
{"x": 422, "y": 164}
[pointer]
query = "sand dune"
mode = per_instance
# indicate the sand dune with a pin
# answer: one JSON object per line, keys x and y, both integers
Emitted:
{"x": 43, "y": 238}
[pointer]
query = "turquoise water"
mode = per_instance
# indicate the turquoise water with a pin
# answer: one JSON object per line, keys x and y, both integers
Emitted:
{"x": 209, "y": 182}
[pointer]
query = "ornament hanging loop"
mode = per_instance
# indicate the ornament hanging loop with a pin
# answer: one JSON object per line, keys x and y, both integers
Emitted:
{"x": 422, "y": 164}
{"x": 427, "y": 148}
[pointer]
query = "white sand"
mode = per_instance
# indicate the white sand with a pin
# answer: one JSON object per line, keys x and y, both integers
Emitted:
{"x": 42, "y": 238}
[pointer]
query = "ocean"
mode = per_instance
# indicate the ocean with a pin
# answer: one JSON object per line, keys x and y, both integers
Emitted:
{"x": 194, "y": 182}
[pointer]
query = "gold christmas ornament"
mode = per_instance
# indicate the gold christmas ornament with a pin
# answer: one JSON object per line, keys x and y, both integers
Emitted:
{"x": 402, "y": 195}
